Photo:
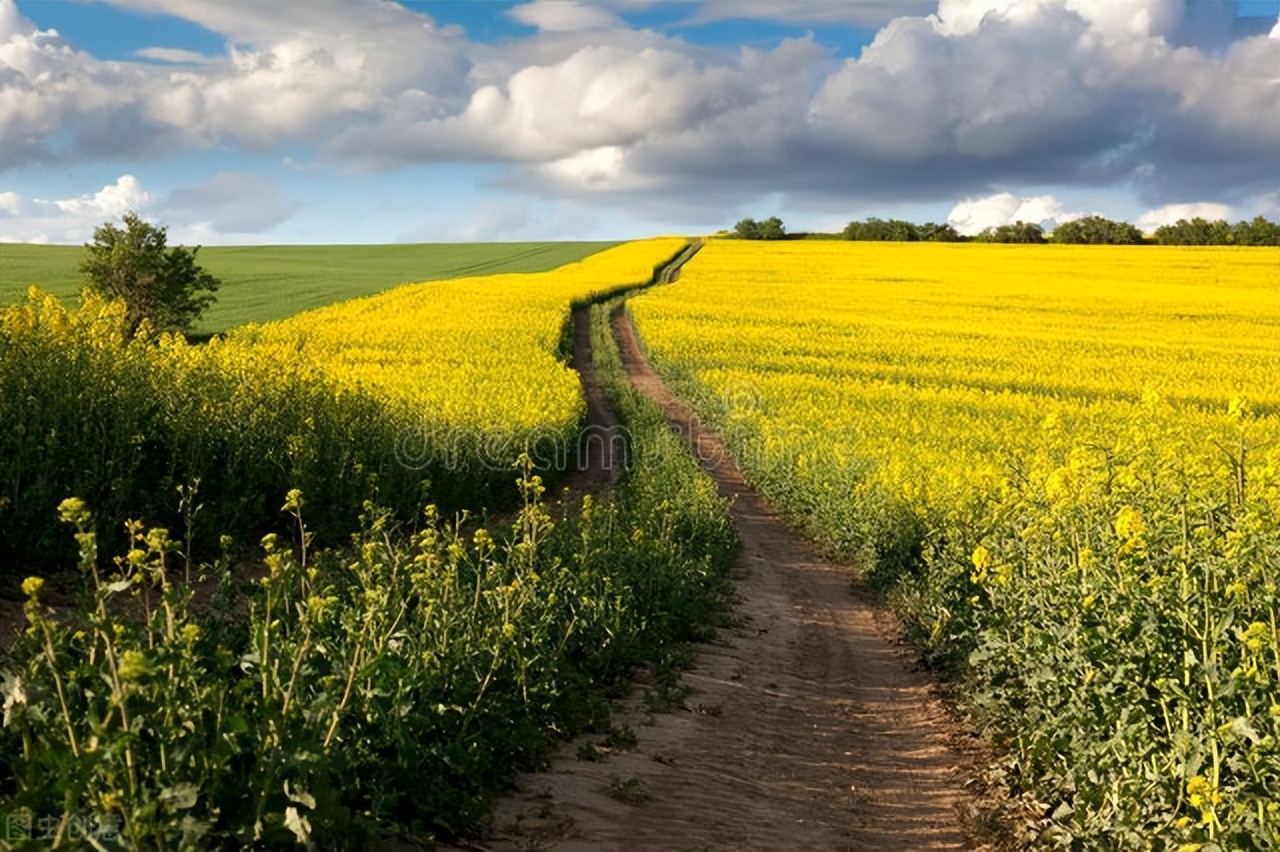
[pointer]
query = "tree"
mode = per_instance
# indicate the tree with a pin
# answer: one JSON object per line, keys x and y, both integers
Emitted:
{"x": 1018, "y": 232}
{"x": 769, "y": 229}
{"x": 1096, "y": 230}
{"x": 1195, "y": 232}
{"x": 1259, "y": 232}
{"x": 894, "y": 230}
{"x": 772, "y": 229}
{"x": 944, "y": 233}
{"x": 157, "y": 283}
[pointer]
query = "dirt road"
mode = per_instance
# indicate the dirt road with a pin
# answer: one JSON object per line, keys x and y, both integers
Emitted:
{"x": 807, "y": 728}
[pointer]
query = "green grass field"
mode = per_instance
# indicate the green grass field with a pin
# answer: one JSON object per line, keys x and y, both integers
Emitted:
{"x": 263, "y": 283}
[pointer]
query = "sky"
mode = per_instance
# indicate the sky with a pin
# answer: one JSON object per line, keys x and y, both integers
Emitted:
{"x": 371, "y": 121}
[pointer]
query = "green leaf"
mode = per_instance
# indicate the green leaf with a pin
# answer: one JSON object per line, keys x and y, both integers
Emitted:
{"x": 1243, "y": 729}
{"x": 180, "y": 797}
{"x": 236, "y": 724}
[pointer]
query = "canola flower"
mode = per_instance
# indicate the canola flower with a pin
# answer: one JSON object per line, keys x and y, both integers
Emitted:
{"x": 470, "y": 353}
{"x": 1062, "y": 463}
{"x": 424, "y": 393}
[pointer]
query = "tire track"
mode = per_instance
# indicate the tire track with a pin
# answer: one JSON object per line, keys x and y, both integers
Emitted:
{"x": 808, "y": 727}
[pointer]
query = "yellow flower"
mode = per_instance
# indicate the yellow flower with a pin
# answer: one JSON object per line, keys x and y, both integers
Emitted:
{"x": 74, "y": 511}
{"x": 1059, "y": 483}
{"x": 32, "y": 585}
{"x": 1256, "y": 636}
{"x": 1129, "y": 523}
{"x": 133, "y": 666}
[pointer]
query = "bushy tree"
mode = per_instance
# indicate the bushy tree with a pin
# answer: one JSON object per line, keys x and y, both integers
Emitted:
{"x": 1195, "y": 232}
{"x": 934, "y": 233}
{"x": 892, "y": 230}
{"x": 157, "y": 283}
{"x": 1097, "y": 230}
{"x": 1018, "y": 232}
{"x": 1259, "y": 232}
{"x": 770, "y": 229}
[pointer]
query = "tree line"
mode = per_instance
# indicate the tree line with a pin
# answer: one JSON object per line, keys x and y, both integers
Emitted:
{"x": 1090, "y": 230}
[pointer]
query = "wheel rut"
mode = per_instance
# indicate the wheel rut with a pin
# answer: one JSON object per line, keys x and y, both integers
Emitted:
{"x": 808, "y": 727}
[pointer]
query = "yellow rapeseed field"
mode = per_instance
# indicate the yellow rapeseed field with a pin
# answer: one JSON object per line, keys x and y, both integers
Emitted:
{"x": 469, "y": 353}
{"x": 1062, "y": 462}
{"x": 424, "y": 393}
{"x": 966, "y": 348}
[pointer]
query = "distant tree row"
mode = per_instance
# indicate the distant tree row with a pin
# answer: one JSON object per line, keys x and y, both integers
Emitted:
{"x": 769, "y": 229}
{"x": 1202, "y": 232}
{"x": 1095, "y": 230}
{"x": 898, "y": 230}
{"x": 1090, "y": 230}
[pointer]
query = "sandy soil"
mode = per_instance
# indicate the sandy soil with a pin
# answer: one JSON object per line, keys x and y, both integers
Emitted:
{"x": 807, "y": 727}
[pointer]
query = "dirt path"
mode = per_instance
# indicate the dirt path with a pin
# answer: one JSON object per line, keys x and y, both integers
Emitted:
{"x": 807, "y": 727}
{"x": 597, "y": 460}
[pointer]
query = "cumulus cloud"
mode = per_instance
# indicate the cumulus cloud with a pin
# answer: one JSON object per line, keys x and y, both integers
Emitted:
{"x": 590, "y": 105}
{"x": 229, "y": 207}
{"x": 291, "y": 71}
{"x": 972, "y": 215}
{"x": 565, "y": 16}
{"x": 866, "y": 13}
{"x": 174, "y": 55}
{"x": 69, "y": 220}
{"x": 1170, "y": 213}
{"x": 945, "y": 103}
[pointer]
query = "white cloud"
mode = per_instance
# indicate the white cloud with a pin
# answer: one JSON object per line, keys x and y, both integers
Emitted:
{"x": 70, "y": 220}
{"x": 292, "y": 71}
{"x": 1170, "y": 213}
{"x": 174, "y": 55}
{"x": 865, "y": 13}
{"x": 111, "y": 201}
{"x": 598, "y": 99}
{"x": 972, "y": 215}
{"x": 228, "y": 208}
{"x": 565, "y": 16}
{"x": 603, "y": 168}
{"x": 979, "y": 95}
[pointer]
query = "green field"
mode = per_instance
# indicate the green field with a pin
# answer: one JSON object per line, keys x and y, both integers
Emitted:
{"x": 263, "y": 283}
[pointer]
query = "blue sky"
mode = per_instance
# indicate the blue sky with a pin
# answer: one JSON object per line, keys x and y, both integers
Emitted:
{"x": 304, "y": 121}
